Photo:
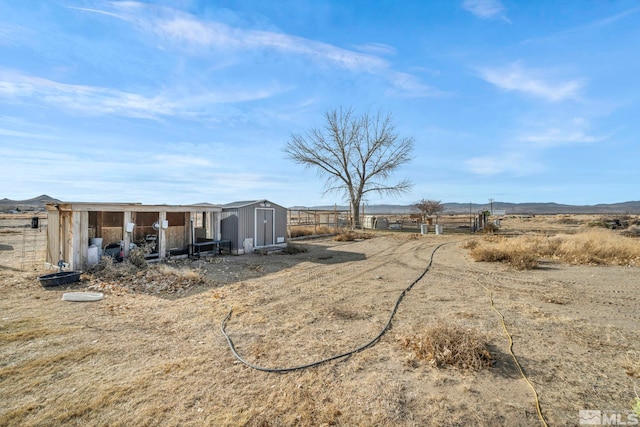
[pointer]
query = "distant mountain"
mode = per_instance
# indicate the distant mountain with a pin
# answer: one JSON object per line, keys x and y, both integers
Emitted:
{"x": 35, "y": 204}
{"x": 509, "y": 208}
{"x": 633, "y": 207}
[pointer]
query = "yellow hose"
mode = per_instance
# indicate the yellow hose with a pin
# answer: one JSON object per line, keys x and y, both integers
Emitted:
{"x": 513, "y": 356}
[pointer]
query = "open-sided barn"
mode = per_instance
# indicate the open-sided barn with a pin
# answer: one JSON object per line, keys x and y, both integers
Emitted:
{"x": 165, "y": 229}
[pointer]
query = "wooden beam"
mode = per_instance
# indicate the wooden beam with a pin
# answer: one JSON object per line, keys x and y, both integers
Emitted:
{"x": 162, "y": 236}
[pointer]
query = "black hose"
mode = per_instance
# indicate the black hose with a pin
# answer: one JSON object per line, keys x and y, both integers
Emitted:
{"x": 339, "y": 356}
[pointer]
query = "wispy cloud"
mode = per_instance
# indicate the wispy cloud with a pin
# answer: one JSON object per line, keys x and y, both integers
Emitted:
{"x": 409, "y": 86}
{"x": 376, "y": 48}
{"x": 197, "y": 36}
{"x": 575, "y": 131}
{"x": 19, "y": 134}
{"x": 486, "y": 9}
{"x": 520, "y": 156}
{"x": 93, "y": 100}
{"x": 514, "y": 163}
{"x": 182, "y": 160}
{"x": 87, "y": 99}
{"x": 11, "y": 34}
{"x": 597, "y": 24}
{"x": 186, "y": 30}
{"x": 534, "y": 82}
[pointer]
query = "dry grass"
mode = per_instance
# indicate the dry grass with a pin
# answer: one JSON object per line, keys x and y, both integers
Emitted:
{"x": 520, "y": 253}
{"x": 292, "y": 249}
{"x": 592, "y": 247}
{"x": 632, "y": 364}
{"x": 140, "y": 359}
{"x": 350, "y": 236}
{"x": 152, "y": 279}
{"x": 309, "y": 230}
{"x": 137, "y": 257}
{"x": 449, "y": 344}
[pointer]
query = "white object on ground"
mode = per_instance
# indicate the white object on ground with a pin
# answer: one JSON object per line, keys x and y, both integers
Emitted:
{"x": 82, "y": 296}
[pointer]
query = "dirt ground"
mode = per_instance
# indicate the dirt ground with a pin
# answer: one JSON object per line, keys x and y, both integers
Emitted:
{"x": 160, "y": 359}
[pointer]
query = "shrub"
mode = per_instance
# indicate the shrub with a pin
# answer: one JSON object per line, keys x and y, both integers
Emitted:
{"x": 348, "y": 236}
{"x": 470, "y": 244}
{"x": 632, "y": 231}
{"x": 293, "y": 249}
{"x": 449, "y": 344}
{"x": 137, "y": 257}
{"x": 490, "y": 228}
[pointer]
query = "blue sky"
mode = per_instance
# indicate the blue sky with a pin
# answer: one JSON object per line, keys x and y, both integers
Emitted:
{"x": 193, "y": 101}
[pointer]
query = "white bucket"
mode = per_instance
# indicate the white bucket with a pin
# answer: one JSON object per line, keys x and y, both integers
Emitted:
{"x": 424, "y": 228}
{"x": 439, "y": 228}
{"x": 92, "y": 255}
{"x": 97, "y": 241}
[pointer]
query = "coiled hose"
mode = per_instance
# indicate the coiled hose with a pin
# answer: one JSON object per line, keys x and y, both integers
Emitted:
{"x": 371, "y": 343}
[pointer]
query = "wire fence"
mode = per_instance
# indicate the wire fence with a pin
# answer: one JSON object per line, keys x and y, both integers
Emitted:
{"x": 302, "y": 222}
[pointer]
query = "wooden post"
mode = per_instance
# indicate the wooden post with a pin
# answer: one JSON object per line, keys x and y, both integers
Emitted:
{"x": 162, "y": 235}
{"x": 126, "y": 237}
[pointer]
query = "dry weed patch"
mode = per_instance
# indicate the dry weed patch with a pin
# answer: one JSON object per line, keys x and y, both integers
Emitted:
{"x": 28, "y": 329}
{"x": 592, "y": 247}
{"x": 519, "y": 253}
{"x": 151, "y": 279}
{"x": 632, "y": 364}
{"x": 350, "y": 236}
{"x": 292, "y": 249}
{"x": 450, "y": 344}
{"x": 310, "y": 231}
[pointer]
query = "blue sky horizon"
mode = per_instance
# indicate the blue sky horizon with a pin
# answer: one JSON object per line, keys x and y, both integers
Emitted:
{"x": 190, "y": 101}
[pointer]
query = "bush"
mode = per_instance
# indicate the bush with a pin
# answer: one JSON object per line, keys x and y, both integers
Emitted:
{"x": 449, "y": 344}
{"x": 490, "y": 228}
{"x": 350, "y": 236}
{"x": 137, "y": 257}
{"x": 293, "y": 249}
{"x": 470, "y": 244}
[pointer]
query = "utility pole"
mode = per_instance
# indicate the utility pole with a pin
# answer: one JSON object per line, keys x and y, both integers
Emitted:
{"x": 491, "y": 202}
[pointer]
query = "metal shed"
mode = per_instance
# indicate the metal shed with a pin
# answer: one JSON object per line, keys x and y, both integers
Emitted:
{"x": 168, "y": 229}
{"x": 253, "y": 224}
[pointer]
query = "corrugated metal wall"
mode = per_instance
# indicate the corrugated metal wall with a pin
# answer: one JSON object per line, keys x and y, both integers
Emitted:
{"x": 280, "y": 222}
{"x": 238, "y": 224}
{"x": 229, "y": 226}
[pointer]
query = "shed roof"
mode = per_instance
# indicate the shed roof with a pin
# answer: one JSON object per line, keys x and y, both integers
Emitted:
{"x": 134, "y": 207}
{"x": 234, "y": 205}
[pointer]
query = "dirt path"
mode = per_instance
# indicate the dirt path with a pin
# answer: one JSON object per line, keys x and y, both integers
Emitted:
{"x": 137, "y": 359}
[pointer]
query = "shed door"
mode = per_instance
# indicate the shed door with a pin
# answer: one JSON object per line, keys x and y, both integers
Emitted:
{"x": 264, "y": 227}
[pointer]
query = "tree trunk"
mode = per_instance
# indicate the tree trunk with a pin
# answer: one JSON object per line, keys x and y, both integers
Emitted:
{"x": 355, "y": 212}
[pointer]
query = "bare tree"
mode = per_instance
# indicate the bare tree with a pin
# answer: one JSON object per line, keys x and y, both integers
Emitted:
{"x": 429, "y": 207}
{"x": 355, "y": 154}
